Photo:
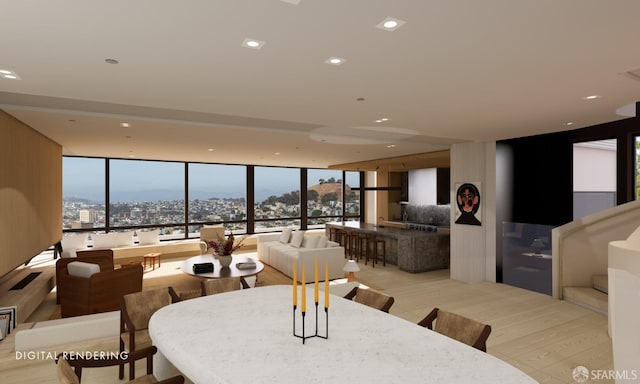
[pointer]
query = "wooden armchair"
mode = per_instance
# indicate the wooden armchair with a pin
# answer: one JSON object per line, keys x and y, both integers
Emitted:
{"x": 463, "y": 329}
{"x": 371, "y": 298}
{"x": 135, "y": 311}
{"x": 101, "y": 292}
{"x": 69, "y": 367}
{"x": 102, "y": 257}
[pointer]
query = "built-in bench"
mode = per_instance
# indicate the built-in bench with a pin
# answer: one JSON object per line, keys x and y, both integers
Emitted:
{"x": 128, "y": 248}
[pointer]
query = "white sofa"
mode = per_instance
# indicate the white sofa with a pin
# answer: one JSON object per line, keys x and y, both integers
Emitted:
{"x": 279, "y": 250}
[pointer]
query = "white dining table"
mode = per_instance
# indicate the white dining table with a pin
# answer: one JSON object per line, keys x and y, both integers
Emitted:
{"x": 246, "y": 336}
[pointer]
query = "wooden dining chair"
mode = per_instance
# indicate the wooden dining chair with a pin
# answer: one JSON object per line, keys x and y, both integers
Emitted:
{"x": 213, "y": 286}
{"x": 371, "y": 298}
{"x": 69, "y": 367}
{"x": 463, "y": 329}
{"x": 189, "y": 294}
{"x": 135, "y": 311}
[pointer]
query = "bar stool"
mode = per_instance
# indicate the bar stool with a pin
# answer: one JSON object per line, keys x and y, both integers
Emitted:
{"x": 334, "y": 234}
{"x": 345, "y": 241}
{"x": 342, "y": 238}
{"x": 362, "y": 245}
{"x": 352, "y": 241}
{"x": 376, "y": 242}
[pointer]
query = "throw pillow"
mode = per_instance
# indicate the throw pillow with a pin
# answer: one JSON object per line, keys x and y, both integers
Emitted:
{"x": 310, "y": 241}
{"x": 285, "y": 236}
{"x": 322, "y": 242}
{"x": 296, "y": 239}
{"x": 82, "y": 269}
{"x": 124, "y": 239}
{"x": 104, "y": 240}
{"x": 149, "y": 237}
{"x": 71, "y": 243}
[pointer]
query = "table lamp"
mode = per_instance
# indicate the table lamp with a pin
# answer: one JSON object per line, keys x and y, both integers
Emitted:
{"x": 351, "y": 266}
{"x": 537, "y": 245}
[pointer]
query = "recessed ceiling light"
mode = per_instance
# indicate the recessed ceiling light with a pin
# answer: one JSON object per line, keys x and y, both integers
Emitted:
{"x": 8, "y": 74}
{"x": 335, "y": 60}
{"x": 277, "y": 153}
{"x": 591, "y": 97}
{"x": 390, "y": 24}
{"x": 379, "y": 121}
{"x": 294, "y": 2}
{"x": 391, "y": 146}
{"x": 384, "y": 119}
{"x": 252, "y": 43}
{"x": 569, "y": 123}
{"x": 125, "y": 125}
{"x": 111, "y": 61}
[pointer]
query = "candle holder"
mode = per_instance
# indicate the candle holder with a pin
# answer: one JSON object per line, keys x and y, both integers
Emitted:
{"x": 304, "y": 336}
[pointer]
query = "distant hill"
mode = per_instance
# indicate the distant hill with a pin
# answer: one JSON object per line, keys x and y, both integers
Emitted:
{"x": 325, "y": 188}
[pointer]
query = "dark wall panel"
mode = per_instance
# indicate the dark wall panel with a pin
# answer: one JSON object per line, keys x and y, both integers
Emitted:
{"x": 541, "y": 179}
{"x": 443, "y": 193}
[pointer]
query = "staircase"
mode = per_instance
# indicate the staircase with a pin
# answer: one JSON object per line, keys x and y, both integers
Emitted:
{"x": 594, "y": 298}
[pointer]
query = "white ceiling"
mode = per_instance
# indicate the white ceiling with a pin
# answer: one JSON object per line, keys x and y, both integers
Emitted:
{"x": 463, "y": 70}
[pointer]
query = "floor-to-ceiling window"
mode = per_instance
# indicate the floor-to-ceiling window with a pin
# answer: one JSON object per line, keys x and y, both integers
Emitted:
{"x": 594, "y": 176}
{"x": 179, "y": 197}
{"x": 217, "y": 194}
{"x": 147, "y": 193}
{"x": 324, "y": 196}
{"x": 277, "y": 198}
{"x": 83, "y": 191}
{"x": 352, "y": 195}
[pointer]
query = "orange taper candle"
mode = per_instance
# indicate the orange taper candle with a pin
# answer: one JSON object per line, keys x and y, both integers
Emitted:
{"x": 326, "y": 285}
{"x": 303, "y": 306}
{"x": 295, "y": 284}
{"x": 315, "y": 282}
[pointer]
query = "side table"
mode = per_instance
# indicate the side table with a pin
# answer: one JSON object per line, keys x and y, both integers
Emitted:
{"x": 151, "y": 259}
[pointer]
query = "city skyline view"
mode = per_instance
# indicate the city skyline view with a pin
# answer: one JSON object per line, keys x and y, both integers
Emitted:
{"x": 138, "y": 181}
{"x": 147, "y": 193}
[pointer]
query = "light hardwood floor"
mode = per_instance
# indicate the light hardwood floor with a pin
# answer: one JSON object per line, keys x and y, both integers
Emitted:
{"x": 544, "y": 337}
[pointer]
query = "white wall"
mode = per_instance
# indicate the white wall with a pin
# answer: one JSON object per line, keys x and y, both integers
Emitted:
{"x": 423, "y": 186}
{"x": 473, "y": 248}
{"x": 594, "y": 169}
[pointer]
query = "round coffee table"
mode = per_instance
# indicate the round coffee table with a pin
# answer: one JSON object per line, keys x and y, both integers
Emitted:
{"x": 218, "y": 271}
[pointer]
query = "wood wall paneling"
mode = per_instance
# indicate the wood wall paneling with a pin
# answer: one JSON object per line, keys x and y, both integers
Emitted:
{"x": 30, "y": 193}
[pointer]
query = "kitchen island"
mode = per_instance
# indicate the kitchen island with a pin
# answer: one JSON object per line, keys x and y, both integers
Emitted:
{"x": 410, "y": 249}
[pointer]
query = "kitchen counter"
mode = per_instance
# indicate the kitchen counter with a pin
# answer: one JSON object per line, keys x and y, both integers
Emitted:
{"x": 408, "y": 225}
{"x": 411, "y": 250}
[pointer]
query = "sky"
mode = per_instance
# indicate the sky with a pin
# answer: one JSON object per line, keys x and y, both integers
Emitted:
{"x": 133, "y": 180}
